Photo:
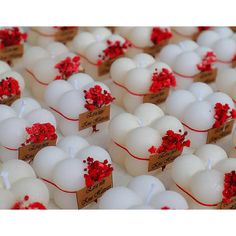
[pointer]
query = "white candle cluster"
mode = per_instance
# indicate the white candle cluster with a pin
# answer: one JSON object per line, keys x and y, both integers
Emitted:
{"x": 222, "y": 40}
{"x": 132, "y": 79}
{"x": 17, "y": 180}
{"x": 137, "y": 133}
{"x": 63, "y": 165}
{"x": 195, "y": 108}
{"x": 142, "y": 192}
{"x": 14, "y": 120}
{"x": 184, "y": 58}
{"x": 202, "y": 174}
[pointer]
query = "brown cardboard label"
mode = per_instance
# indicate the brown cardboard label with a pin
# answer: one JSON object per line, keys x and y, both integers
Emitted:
{"x": 156, "y": 48}
{"x": 233, "y": 28}
{"x": 9, "y": 100}
{"x": 206, "y": 77}
{"x": 11, "y": 52}
{"x": 156, "y": 98}
{"x": 90, "y": 118}
{"x": 104, "y": 68}
{"x": 220, "y": 132}
{"x": 160, "y": 160}
{"x": 228, "y": 206}
{"x": 66, "y": 35}
{"x": 89, "y": 194}
{"x": 28, "y": 152}
{"x": 233, "y": 64}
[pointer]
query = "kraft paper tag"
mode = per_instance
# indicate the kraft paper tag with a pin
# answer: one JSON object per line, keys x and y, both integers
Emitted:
{"x": 233, "y": 64}
{"x": 91, "y": 118}
{"x": 28, "y": 152}
{"x": 160, "y": 160}
{"x": 156, "y": 98}
{"x": 220, "y": 132}
{"x": 89, "y": 194}
{"x": 11, "y": 52}
{"x": 156, "y": 48}
{"x": 233, "y": 28}
{"x": 206, "y": 77}
{"x": 104, "y": 68}
{"x": 65, "y": 35}
{"x": 228, "y": 206}
{"x": 9, "y": 100}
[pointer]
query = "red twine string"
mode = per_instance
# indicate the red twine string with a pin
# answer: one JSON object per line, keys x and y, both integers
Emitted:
{"x": 11, "y": 36}
{"x": 159, "y": 35}
{"x": 35, "y": 78}
{"x": 9, "y": 87}
{"x": 67, "y": 67}
{"x": 229, "y": 187}
{"x": 67, "y": 118}
{"x": 22, "y": 205}
{"x": 96, "y": 171}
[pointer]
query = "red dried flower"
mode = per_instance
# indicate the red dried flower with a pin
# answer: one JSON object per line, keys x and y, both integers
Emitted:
{"x": 113, "y": 50}
{"x": 207, "y": 62}
{"x": 96, "y": 98}
{"x": 202, "y": 28}
{"x": 158, "y": 35}
{"x": 171, "y": 141}
{"x": 229, "y": 187}
{"x": 164, "y": 79}
{"x": 165, "y": 208}
{"x": 22, "y": 205}
{"x": 40, "y": 132}
{"x": 9, "y": 87}
{"x": 223, "y": 114}
{"x": 11, "y": 36}
{"x": 67, "y": 67}
{"x": 96, "y": 171}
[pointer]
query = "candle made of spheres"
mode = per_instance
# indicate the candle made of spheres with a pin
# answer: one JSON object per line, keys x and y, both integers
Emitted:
{"x": 18, "y": 180}
{"x": 68, "y": 100}
{"x": 142, "y": 192}
{"x": 187, "y": 60}
{"x": 222, "y": 41}
{"x": 44, "y": 65}
{"x": 145, "y": 39}
{"x": 128, "y": 148}
{"x": 98, "y": 48}
{"x": 64, "y": 167}
{"x": 22, "y": 114}
{"x": 196, "y": 109}
{"x": 201, "y": 175}
{"x": 135, "y": 77}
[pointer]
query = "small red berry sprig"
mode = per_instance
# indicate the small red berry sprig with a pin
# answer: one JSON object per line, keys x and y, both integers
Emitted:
{"x": 39, "y": 133}
{"x": 113, "y": 50}
{"x": 163, "y": 79}
{"x": 229, "y": 187}
{"x": 223, "y": 113}
{"x": 159, "y": 35}
{"x": 207, "y": 62}
{"x": 96, "y": 171}
{"x": 9, "y": 87}
{"x": 203, "y": 28}
{"x": 171, "y": 141}
{"x": 24, "y": 205}
{"x": 67, "y": 67}
{"x": 11, "y": 36}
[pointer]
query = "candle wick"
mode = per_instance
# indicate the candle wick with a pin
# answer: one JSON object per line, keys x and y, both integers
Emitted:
{"x": 209, "y": 163}
{"x": 5, "y": 179}
{"x": 149, "y": 195}
{"x": 22, "y": 108}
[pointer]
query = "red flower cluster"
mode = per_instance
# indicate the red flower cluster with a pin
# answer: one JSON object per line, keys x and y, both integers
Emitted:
{"x": 11, "y": 36}
{"x": 114, "y": 50}
{"x": 97, "y": 98}
{"x": 9, "y": 87}
{"x": 67, "y": 67}
{"x": 165, "y": 208}
{"x": 223, "y": 114}
{"x": 164, "y": 79}
{"x": 21, "y": 205}
{"x": 202, "y": 28}
{"x": 229, "y": 187}
{"x": 234, "y": 58}
{"x": 159, "y": 34}
{"x": 96, "y": 171}
{"x": 207, "y": 62}
{"x": 41, "y": 132}
{"x": 171, "y": 141}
